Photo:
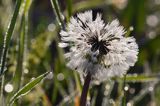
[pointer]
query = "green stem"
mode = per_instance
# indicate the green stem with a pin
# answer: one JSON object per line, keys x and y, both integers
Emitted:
{"x": 19, "y": 69}
{"x": 78, "y": 85}
{"x": 124, "y": 92}
{"x": 6, "y": 42}
{"x": 58, "y": 13}
{"x": 8, "y": 36}
{"x": 2, "y": 86}
{"x": 69, "y": 9}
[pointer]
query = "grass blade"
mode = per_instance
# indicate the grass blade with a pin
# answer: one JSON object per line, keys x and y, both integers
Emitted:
{"x": 58, "y": 13}
{"x": 18, "y": 73}
{"x": 8, "y": 35}
{"x": 6, "y": 42}
{"x": 28, "y": 87}
{"x": 69, "y": 9}
{"x": 138, "y": 78}
{"x": 22, "y": 46}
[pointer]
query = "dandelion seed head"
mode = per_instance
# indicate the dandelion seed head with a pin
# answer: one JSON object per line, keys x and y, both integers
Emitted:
{"x": 98, "y": 48}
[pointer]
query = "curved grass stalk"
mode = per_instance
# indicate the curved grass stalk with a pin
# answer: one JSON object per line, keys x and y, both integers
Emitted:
{"x": 27, "y": 88}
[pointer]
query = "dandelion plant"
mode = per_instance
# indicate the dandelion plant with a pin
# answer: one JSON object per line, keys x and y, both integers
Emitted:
{"x": 98, "y": 51}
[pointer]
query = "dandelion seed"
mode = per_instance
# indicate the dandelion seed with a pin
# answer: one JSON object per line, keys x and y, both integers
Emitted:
{"x": 98, "y": 48}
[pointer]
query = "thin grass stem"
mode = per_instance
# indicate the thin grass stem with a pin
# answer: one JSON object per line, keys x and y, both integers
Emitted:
{"x": 58, "y": 13}
{"x": 2, "y": 86}
{"x": 69, "y": 9}
{"x": 124, "y": 92}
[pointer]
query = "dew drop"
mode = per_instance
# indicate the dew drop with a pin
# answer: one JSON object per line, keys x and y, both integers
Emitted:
{"x": 8, "y": 88}
{"x": 60, "y": 76}
{"x": 152, "y": 20}
{"x": 126, "y": 88}
{"x": 51, "y": 27}
{"x": 50, "y": 75}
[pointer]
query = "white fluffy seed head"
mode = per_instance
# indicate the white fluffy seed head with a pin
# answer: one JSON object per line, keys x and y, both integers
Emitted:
{"x": 98, "y": 48}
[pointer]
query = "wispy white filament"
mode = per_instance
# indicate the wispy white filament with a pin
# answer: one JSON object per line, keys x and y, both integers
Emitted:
{"x": 98, "y": 48}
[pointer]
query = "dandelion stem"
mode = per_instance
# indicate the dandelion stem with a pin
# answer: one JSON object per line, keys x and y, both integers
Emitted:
{"x": 85, "y": 90}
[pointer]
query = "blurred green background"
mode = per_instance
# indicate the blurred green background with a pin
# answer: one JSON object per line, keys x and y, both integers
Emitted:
{"x": 41, "y": 54}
